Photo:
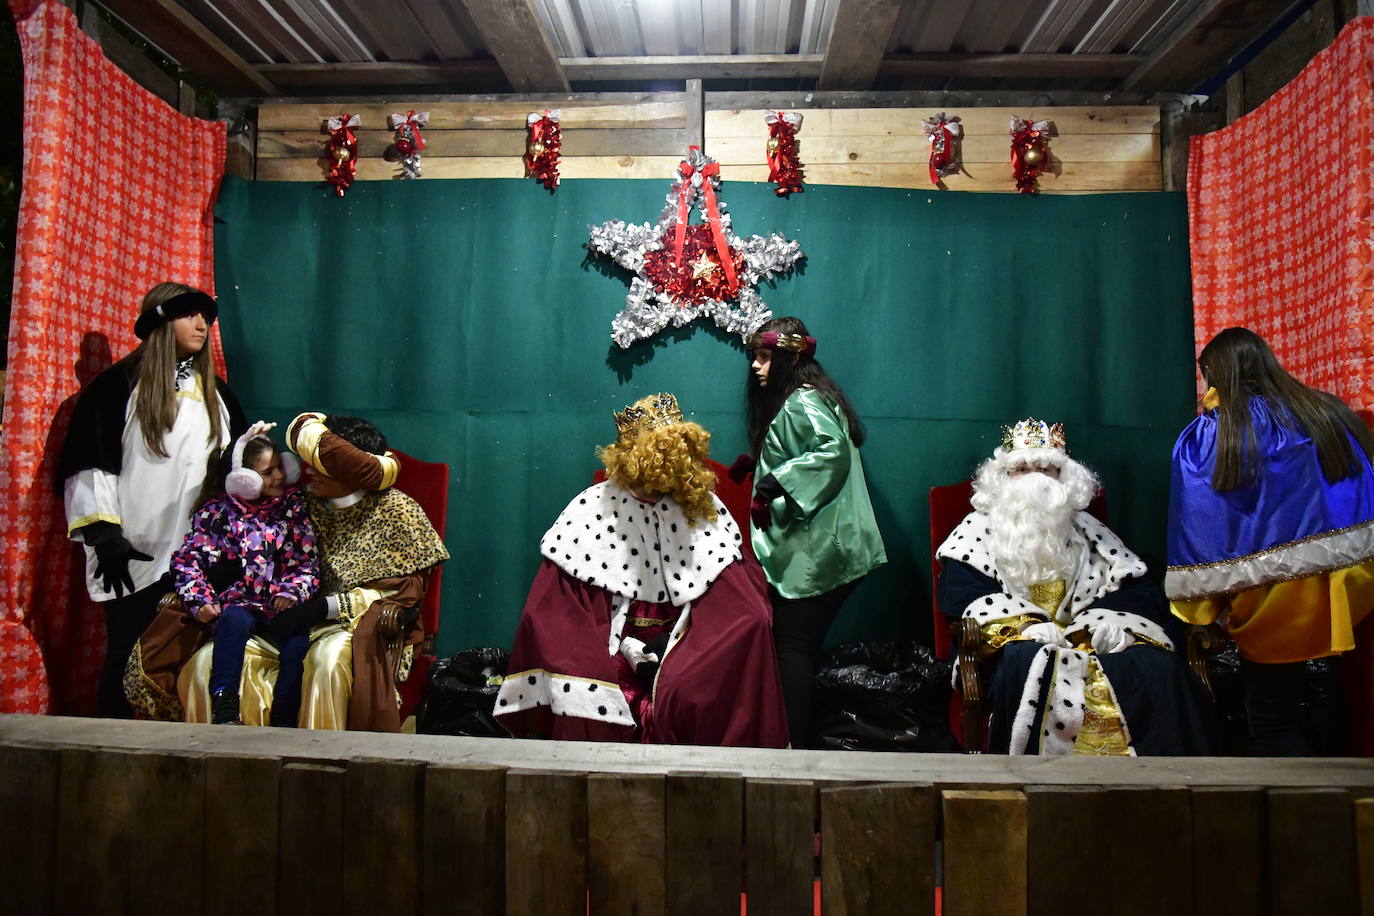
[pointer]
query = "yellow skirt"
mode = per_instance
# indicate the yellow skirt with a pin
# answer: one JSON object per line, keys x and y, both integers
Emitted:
{"x": 1292, "y": 621}
{"x": 325, "y": 690}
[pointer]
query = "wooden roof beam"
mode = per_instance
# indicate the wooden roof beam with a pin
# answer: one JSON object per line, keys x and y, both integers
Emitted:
{"x": 1048, "y": 66}
{"x": 178, "y": 34}
{"x": 475, "y": 74}
{"x": 1204, "y": 42}
{"x": 515, "y": 36}
{"x": 857, "y": 43}
{"x": 702, "y": 66}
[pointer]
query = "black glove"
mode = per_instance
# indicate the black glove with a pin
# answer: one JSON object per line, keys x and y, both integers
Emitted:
{"x": 761, "y": 507}
{"x": 742, "y": 467}
{"x": 112, "y": 555}
{"x": 296, "y": 619}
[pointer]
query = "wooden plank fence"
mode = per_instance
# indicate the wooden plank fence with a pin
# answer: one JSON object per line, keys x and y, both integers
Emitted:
{"x": 1099, "y": 149}
{"x": 107, "y": 817}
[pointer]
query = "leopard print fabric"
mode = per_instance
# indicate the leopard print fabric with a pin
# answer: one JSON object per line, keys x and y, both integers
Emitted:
{"x": 381, "y": 536}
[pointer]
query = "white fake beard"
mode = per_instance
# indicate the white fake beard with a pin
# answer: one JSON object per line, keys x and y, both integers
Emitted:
{"x": 1032, "y": 529}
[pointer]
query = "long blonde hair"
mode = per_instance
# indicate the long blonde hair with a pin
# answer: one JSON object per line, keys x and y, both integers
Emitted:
{"x": 667, "y": 461}
{"x": 155, "y": 400}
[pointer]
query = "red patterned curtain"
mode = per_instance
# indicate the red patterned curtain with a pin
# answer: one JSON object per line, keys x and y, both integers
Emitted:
{"x": 118, "y": 196}
{"x": 1279, "y": 208}
{"x": 1279, "y": 214}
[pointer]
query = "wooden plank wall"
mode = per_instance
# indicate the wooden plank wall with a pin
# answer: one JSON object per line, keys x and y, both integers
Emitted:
{"x": 1111, "y": 148}
{"x": 108, "y": 830}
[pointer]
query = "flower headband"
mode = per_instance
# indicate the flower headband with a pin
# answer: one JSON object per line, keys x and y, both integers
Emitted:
{"x": 772, "y": 340}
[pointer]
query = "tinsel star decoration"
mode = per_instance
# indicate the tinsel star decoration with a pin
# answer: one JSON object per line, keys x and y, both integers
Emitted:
{"x": 685, "y": 271}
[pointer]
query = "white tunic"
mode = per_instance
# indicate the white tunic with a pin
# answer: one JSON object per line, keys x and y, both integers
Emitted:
{"x": 152, "y": 496}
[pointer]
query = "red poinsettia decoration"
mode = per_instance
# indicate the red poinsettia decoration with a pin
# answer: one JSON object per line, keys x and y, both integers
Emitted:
{"x": 784, "y": 163}
{"x": 698, "y": 273}
{"x": 542, "y": 146}
{"x": 342, "y": 151}
{"x": 1030, "y": 152}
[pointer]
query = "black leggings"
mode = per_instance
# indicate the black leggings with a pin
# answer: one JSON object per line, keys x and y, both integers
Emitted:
{"x": 799, "y": 628}
{"x": 1273, "y": 708}
{"x": 125, "y": 620}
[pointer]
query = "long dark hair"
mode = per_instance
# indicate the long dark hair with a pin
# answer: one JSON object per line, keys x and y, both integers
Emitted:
{"x": 1239, "y": 364}
{"x": 155, "y": 401}
{"x": 789, "y": 371}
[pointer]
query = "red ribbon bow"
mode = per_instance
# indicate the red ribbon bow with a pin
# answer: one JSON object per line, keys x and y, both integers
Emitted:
{"x": 684, "y": 204}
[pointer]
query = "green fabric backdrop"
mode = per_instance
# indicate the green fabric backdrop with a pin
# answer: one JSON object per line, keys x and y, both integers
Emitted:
{"x": 464, "y": 318}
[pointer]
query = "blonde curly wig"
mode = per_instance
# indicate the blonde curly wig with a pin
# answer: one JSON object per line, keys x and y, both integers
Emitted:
{"x": 667, "y": 461}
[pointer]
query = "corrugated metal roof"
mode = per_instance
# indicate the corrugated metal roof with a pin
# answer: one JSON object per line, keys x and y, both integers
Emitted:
{"x": 317, "y": 32}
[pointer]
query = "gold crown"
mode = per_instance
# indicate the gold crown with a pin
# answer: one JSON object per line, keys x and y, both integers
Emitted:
{"x": 647, "y": 413}
{"x": 1033, "y": 433}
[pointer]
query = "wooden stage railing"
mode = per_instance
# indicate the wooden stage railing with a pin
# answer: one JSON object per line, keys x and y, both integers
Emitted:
{"x": 99, "y": 816}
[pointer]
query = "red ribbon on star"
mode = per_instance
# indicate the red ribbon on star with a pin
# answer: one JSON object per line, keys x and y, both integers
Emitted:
{"x": 684, "y": 204}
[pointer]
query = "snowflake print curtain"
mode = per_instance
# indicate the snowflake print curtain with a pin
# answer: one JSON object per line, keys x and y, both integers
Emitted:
{"x": 117, "y": 197}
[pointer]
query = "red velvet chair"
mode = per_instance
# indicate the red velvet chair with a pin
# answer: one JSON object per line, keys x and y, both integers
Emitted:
{"x": 948, "y": 506}
{"x": 425, "y": 482}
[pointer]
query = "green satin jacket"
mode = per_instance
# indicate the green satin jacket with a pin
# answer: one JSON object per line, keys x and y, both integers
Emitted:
{"x": 823, "y": 533}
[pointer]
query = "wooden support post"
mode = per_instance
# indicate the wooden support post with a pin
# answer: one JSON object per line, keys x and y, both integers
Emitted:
{"x": 1235, "y": 97}
{"x": 1160, "y": 834}
{"x": 166, "y": 798}
{"x": 28, "y": 841}
{"x": 1228, "y": 850}
{"x": 705, "y": 826}
{"x": 984, "y": 853}
{"x": 242, "y": 830}
{"x": 382, "y": 802}
{"x": 546, "y": 843}
{"x": 1312, "y": 852}
{"x": 1364, "y": 845}
{"x": 626, "y": 844}
{"x": 780, "y": 837}
{"x": 311, "y": 822}
{"x": 696, "y": 115}
{"x": 465, "y": 840}
{"x": 1067, "y": 828}
{"x": 878, "y": 850}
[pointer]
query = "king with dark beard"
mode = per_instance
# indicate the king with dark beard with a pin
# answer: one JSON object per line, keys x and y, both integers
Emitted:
{"x": 1083, "y": 664}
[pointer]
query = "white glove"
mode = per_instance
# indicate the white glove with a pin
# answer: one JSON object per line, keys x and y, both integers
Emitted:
{"x": 1108, "y": 637}
{"x": 1047, "y": 633}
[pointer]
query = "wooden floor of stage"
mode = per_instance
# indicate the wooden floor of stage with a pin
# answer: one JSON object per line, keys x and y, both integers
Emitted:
{"x": 143, "y": 817}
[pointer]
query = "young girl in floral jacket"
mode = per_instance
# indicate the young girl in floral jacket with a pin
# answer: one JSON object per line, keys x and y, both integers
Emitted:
{"x": 260, "y": 521}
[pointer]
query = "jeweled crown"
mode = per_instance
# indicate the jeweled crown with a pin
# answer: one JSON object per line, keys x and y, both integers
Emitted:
{"x": 1033, "y": 433}
{"x": 646, "y": 414}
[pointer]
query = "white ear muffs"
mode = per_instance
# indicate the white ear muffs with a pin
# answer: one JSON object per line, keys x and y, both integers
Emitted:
{"x": 290, "y": 467}
{"x": 246, "y": 483}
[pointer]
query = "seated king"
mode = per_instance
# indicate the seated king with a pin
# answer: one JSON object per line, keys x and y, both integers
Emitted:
{"x": 1080, "y": 660}
{"x": 646, "y": 621}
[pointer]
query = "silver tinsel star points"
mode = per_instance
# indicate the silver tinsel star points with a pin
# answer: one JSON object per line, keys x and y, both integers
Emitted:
{"x": 648, "y": 310}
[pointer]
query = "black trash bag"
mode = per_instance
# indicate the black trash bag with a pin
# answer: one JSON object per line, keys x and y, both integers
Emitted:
{"x": 462, "y": 693}
{"x": 883, "y": 696}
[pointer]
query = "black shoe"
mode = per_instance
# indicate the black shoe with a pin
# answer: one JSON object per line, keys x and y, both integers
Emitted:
{"x": 224, "y": 708}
